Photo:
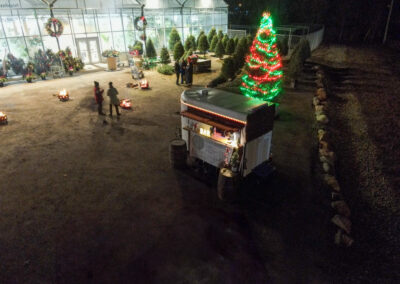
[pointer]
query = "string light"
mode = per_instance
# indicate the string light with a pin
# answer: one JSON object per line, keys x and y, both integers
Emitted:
{"x": 214, "y": 113}
{"x": 263, "y": 79}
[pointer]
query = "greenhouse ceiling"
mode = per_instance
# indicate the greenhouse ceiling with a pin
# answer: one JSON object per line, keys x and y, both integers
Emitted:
{"x": 107, "y": 4}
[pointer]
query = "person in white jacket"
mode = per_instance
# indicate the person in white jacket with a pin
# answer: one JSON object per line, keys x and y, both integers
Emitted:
{"x": 112, "y": 93}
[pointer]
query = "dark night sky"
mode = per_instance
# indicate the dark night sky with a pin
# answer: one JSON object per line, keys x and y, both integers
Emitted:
{"x": 356, "y": 20}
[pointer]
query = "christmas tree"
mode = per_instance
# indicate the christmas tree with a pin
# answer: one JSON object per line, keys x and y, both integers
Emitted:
{"x": 263, "y": 79}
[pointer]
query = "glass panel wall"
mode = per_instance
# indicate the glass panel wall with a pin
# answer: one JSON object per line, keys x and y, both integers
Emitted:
{"x": 23, "y": 32}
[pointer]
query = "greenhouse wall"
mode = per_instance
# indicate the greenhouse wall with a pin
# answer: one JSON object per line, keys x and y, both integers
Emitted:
{"x": 92, "y": 26}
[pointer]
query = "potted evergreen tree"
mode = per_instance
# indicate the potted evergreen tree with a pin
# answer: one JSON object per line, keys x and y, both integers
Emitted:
{"x": 178, "y": 50}
{"x": 173, "y": 39}
{"x": 3, "y": 79}
{"x": 111, "y": 56}
{"x": 150, "y": 50}
{"x": 29, "y": 77}
{"x": 235, "y": 161}
{"x": 219, "y": 50}
{"x": 203, "y": 44}
{"x": 164, "y": 56}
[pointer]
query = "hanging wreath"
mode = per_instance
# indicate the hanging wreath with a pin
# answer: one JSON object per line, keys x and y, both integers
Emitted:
{"x": 59, "y": 28}
{"x": 143, "y": 24}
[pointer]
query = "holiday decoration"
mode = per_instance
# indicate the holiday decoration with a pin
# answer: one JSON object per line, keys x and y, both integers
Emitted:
{"x": 16, "y": 64}
{"x": 144, "y": 84}
{"x": 136, "y": 49}
{"x": 57, "y": 25}
{"x": 70, "y": 63}
{"x": 193, "y": 58}
{"x": 63, "y": 95}
{"x": 140, "y": 23}
{"x": 42, "y": 62}
{"x": 126, "y": 104}
{"x": 263, "y": 79}
{"x": 3, "y": 118}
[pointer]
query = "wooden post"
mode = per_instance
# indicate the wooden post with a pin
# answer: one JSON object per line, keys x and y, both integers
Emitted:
{"x": 388, "y": 21}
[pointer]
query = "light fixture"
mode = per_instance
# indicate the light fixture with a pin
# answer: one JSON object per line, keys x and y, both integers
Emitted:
{"x": 63, "y": 95}
{"x": 3, "y": 118}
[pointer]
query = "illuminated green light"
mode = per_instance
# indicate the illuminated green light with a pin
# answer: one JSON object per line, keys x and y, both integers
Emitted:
{"x": 263, "y": 79}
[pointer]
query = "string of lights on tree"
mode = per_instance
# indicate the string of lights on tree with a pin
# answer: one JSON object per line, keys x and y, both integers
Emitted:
{"x": 264, "y": 76}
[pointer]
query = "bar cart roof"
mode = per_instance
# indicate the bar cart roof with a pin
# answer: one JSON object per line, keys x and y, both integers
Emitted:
{"x": 222, "y": 102}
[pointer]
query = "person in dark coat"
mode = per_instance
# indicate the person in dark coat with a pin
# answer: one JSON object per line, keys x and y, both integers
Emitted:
{"x": 177, "y": 71}
{"x": 98, "y": 95}
{"x": 183, "y": 70}
{"x": 114, "y": 101}
{"x": 189, "y": 72}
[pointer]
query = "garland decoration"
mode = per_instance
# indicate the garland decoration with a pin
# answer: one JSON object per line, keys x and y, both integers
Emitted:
{"x": 143, "y": 24}
{"x": 59, "y": 28}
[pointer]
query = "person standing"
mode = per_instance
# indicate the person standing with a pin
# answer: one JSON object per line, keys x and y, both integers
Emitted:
{"x": 189, "y": 72}
{"x": 114, "y": 101}
{"x": 177, "y": 71}
{"x": 183, "y": 70}
{"x": 98, "y": 95}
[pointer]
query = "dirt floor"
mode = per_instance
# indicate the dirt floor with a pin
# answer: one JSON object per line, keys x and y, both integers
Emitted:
{"x": 90, "y": 199}
{"x": 364, "y": 108}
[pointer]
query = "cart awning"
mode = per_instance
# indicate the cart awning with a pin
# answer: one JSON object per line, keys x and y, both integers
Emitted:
{"x": 205, "y": 120}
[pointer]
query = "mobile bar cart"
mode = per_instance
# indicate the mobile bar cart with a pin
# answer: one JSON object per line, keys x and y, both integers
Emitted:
{"x": 218, "y": 125}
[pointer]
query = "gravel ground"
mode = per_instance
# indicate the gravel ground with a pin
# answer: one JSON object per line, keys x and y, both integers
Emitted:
{"x": 364, "y": 89}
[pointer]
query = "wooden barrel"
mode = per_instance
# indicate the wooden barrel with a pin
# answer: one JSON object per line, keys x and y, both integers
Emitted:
{"x": 178, "y": 153}
{"x": 228, "y": 183}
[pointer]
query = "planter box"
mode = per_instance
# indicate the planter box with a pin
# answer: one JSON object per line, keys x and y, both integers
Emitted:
{"x": 112, "y": 63}
{"x": 202, "y": 65}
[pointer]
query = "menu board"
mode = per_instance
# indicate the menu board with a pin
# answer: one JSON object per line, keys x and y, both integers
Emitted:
{"x": 208, "y": 150}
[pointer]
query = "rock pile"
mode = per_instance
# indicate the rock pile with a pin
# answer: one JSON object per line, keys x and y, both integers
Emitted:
{"x": 327, "y": 157}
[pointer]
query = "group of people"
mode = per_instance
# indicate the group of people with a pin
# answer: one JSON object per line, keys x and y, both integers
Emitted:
{"x": 111, "y": 93}
{"x": 184, "y": 69}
